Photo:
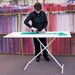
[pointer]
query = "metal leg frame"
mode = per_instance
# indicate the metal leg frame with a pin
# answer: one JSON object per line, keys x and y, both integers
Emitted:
{"x": 61, "y": 66}
{"x": 45, "y": 47}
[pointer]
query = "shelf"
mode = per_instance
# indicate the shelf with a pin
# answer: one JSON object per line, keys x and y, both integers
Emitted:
{"x": 66, "y": 11}
{"x": 3, "y": 34}
{"x": 8, "y": 14}
{"x": 72, "y": 33}
{"x": 63, "y": 11}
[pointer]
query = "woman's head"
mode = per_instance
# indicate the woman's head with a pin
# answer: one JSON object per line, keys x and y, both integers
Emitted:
{"x": 37, "y": 7}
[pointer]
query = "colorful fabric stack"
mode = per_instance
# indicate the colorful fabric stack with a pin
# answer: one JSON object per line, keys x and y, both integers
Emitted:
{"x": 59, "y": 20}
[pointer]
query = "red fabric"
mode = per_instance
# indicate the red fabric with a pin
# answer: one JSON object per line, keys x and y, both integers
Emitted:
{"x": 53, "y": 22}
{"x": 70, "y": 7}
{"x": 53, "y": 47}
{"x": 28, "y": 46}
{"x": 73, "y": 45}
{"x": 60, "y": 46}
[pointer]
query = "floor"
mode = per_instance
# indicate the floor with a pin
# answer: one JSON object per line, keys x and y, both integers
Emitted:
{"x": 14, "y": 65}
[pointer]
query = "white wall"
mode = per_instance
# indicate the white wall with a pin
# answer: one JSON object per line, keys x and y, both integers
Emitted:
{"x": 5, "y": 2}
{"x": 55, "y": 1}
{"x": 20, "y": 2}
{"x": 31, "y": 2}
{"x": 41, "y": 1}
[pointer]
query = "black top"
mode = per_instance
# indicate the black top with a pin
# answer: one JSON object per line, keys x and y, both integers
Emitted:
{"x": 39, "y": 21}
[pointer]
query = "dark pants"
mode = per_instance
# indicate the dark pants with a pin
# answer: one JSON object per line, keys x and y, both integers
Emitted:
{"x": 37, "y": 46}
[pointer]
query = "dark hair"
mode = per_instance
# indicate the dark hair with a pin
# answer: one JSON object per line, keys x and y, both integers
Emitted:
{"x": 37, "y": 6}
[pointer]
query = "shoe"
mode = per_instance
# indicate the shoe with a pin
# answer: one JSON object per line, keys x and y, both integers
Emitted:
{"x": 47, "y": 59}
{"x": 37, "y": 59}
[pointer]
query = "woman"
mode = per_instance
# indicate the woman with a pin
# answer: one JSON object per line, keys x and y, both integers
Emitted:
{"x": 39, "y": 24}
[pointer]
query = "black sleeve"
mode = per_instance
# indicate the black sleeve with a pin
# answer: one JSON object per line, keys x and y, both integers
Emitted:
{"x": 45, "y": 22}
{"x": 26, "y": 22}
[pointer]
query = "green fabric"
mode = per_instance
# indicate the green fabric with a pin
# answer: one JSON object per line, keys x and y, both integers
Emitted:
{"x": 60, "y": 33}
{"x": 29, "y": 32}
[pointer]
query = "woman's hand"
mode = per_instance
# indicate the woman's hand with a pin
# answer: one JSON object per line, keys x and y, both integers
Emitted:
{"x": 43, "y": 30}
{"x": 33, "y": 29}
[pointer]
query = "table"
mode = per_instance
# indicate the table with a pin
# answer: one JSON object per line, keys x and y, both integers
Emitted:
{"x": 54, "y": 35}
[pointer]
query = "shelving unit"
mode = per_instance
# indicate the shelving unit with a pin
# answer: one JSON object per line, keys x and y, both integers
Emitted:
{"x": 19, "y": 28}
